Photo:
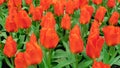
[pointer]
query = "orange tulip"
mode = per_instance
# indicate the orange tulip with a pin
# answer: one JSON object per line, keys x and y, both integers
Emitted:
{"x": 28, "y": 2}
{"x": 32, "y": 48}
{"x": 114, "y": 18}
{"x": 76, "y": 4}
{"x": 49, "y": 38}
{"x": 37, "y": 13}
{"x": 24, "y": 20}
{"x": 10, "y": 47}
{"x": 75, "y": 40}
{"x": 66, "y": 22}
{"x": 45, "y": 4}
{"x": 69, "y": 7}
{"x": 48, "y": 20}
{"x": 22, "y": 60}
{"x": 95, "y": 42}
{"x": 85, "y": 14}
{"x": 111, "y": 3}
{"x": 1, "y": 1}
{"x": 119, "y": 1}
{"x": 59, "y": 7}
{"x": 83, "y": 3}
{"x": 112, "y": 35}
{"x": 31, "y": 9}
{"x": 11, "y": 25}
{"x": 100, "y": 65}
{"x": 100, "y": 13}
{"x": 97, "y": 1}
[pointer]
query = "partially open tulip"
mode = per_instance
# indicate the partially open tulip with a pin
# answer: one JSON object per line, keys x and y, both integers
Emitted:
{"x": 69, "y": 7}
{"x": 111, "y": 3}
{"x": 97, "y": 2}
{"x": 45, "y": 4}
{"x": 75, "y": 40}
{"x": 66, "y": 22}
{"x": 100, "y": 65}
{"x": 100, "y": 13}
{"x": 94, "y": 42}
{"x": 10, "y": 47}
{"x": 114, "y": 18}
{"x": 48, "y": 21}
{"x": 83, "y": 3}
{"x": 85, "y": 14}
{"x": 76, "y": 4}
{"x": 112, "y": 35}
{"x": 48, "y": 38}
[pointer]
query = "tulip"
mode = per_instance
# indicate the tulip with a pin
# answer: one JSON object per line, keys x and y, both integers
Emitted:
{"x": 111, "y": 3}
{"x": 97, "y": 2}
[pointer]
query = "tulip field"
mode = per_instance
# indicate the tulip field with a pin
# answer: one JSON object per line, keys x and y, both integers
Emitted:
{"x": 59, "y": 33}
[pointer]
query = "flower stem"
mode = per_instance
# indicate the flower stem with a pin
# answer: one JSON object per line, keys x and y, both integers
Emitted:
{"x": 76, "y": 58}
{"x": 49, "y": 58}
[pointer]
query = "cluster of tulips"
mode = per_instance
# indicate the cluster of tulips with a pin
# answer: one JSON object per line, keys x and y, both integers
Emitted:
{"x": 19, "y": 18}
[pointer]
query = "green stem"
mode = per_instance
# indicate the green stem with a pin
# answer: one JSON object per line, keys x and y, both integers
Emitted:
{"x": 76, "y": 58}
{"x": 49, "y": 58}
{"x": 8, "y": 63}
{"x": 12, "y": 61}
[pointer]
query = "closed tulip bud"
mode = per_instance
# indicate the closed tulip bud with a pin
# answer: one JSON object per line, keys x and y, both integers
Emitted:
{"x": 76, "y": 4}
{"x": 22, "y": 60}
{"x": 112, "y": 35}
{"x": 83, "y": 3}
{"x": 66, "y": 22}
{"x": 97, "y": 2}
{"x": 1, "y": 1}
{"x": 75, "y": 40}
{"x": 28, "y": 2}
{"x": 100, "y": 13}
{"x": 85, "y": 14}
{"x": 100, "y": 65}
{"x": 114, "y": 18}
{"x": 69, "y": 7}
{"x": 111, "y": 3}
{"x": 45, "y": 4}
{"x": 48, "y": 21}
{"x": 95, "y": 42}
{"x": 49, "y": 38}
{"x": 10, "y": 47}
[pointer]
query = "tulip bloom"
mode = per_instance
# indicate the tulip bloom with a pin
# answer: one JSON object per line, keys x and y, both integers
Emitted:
{"x": 111, "y": 3}
{"x": 100, "y": 65}
{"x": 45, "y": 4}
{"x": 83, "y": 3}
{"x": 85, "y": 14}
{"x": 69, "y": 7}
{"x": 32, "y": 48}
{"x": 59, "y": 7}
{"x": 75, "y": 40}
{"x": 49, "y": 38}
{"x": 10, "y": 47}
{"x": 1, "y": 1}
{"x": 100, "y": 13}
{"x": 22, "y": 60}
{"x": 112, "y": 35}
{"x": 97, "y": 1}
{"x": 11, "y": 25}
{"x": 114, "y": 18}
{"x": 24, "y": 20}
{"x": 66, "y": 22}
{"x": 95, "y": 42}
{"x": 76, "y": 4}
{"x": 48, "y": 20}
{"x": 28, "y": 2}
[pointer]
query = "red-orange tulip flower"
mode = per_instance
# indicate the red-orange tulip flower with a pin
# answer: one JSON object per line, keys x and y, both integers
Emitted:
{"x": 95, "y": 42}
{"x": 10, "y": 47}
{"x": 11, "y": 25}
{"x": 85, "y": 14}
{"x": 24, "y": 20}
{"x": 112, "y": 35}
{"x": 1, "y": 1}
{"x": 37, "y": 13}
{"x": 83, "y": 3}
{"x": 15, "y": 3}
{"x": 69, "y": 7}
{"x": 28, "y": 2}
{"x": 100, "y": 65}
{"x": 75, "y": 40}
{"x": 66, "y": 22}
{"x": 111, "y": 3}
{"x": 49, "y": 38}
{"x": 45, "y": 4}
{"x": 97, "y": 1}
{"x": 114, "y": 18}
{"x": 22, "y": 60}
{"x": 48, "y": 20}
{"x": 100, "y": 13}
{"x": 119, "y": 1}
{"x": 31, "y": 9}
{"x": 32, "y": 48}
{"x": 59, "y": 7}
{"x": 76, "y": 4}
